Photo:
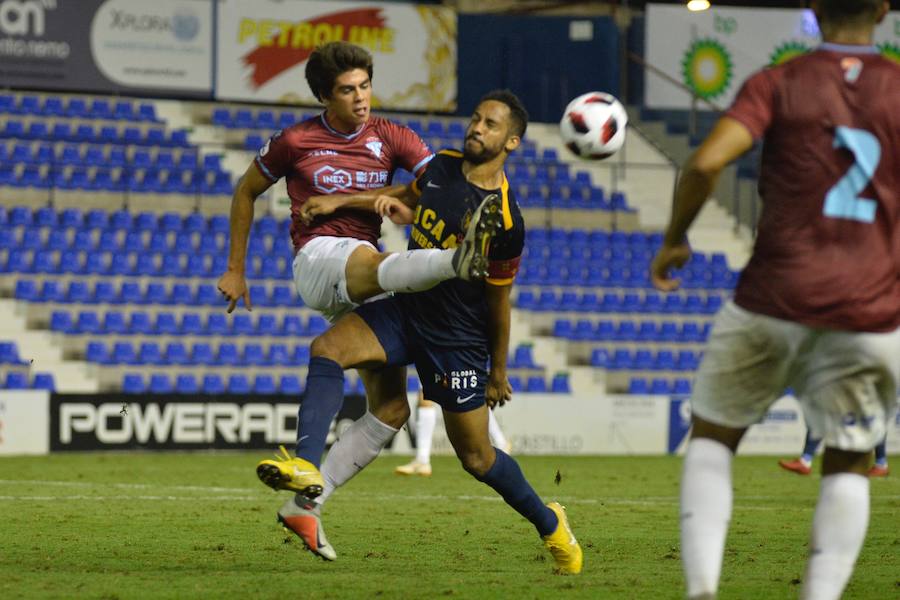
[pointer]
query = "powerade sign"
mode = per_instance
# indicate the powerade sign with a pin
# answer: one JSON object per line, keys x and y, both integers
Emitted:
{"x": 180, "y": 422}
{"x": 164, "y": 46}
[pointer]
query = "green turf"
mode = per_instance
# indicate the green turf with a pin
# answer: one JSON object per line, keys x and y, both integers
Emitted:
{"x": 200, "y": 525}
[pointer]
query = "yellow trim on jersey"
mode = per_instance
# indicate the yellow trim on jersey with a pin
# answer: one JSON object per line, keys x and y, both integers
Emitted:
{"x": 415, "y": 187}
{"x": 500, "y": 281}
{"x": 507, "y": 215}
{"x": 453, "y": 153}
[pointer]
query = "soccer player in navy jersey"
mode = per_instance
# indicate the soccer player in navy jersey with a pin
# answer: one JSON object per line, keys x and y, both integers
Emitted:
{"x": 336, "y": 264}
{"x": 816, "y": 308}
{"x": 457, "y": 333}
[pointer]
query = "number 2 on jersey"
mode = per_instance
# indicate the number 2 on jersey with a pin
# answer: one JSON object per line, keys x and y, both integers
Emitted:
{"x": 842, "y": 201}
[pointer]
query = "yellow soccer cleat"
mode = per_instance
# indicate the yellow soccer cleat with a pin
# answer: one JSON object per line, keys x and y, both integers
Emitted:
{"x": 290, "y": 473}
{"x": 562, "y": 544}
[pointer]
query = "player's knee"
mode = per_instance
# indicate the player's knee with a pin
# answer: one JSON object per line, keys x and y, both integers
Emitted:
{"x": 394, "y": 413}
{"x": 476, "y": 463}
{"x": 324, "y": 347}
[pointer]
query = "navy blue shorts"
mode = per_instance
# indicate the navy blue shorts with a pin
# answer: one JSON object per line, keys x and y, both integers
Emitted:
{"x": 453, "y": 377}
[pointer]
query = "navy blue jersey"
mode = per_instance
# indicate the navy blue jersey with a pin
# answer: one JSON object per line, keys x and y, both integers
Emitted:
{"x": 454, "y": 313}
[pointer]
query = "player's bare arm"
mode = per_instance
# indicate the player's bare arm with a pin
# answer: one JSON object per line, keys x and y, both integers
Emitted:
{"x": 498, "y": 390}
{"x": 728, "y": 140}
{"x": 317, "y": 206}
{"x": 233, "y": 284}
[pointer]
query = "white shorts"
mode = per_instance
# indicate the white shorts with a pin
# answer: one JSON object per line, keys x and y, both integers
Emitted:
{"x": 845, "y": 381}
{"x": 320, "y": 274}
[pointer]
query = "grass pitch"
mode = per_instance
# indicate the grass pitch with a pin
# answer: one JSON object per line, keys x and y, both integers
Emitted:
{"x": 201, "y": 525}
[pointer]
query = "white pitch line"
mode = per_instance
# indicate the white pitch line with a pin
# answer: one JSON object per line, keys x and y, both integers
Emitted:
{"x": 124, "y": 497}
{"x": 126, "y": 486}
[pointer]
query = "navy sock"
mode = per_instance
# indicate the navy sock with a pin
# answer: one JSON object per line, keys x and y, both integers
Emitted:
{"x": 881, "y": 453}
{"x": 507, "y": 479}
{"x": 810, "y": 447}
{"x": 321, "y": 403}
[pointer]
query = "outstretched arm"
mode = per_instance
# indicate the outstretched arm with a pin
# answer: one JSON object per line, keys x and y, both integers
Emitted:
{"x": 728, "y": 140}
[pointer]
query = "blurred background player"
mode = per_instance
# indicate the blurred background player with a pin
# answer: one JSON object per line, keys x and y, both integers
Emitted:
{"x": 802, "y": 465}
{"x": 816, "y": 307}
{"x": 337, "y": 264}
{"x": 454, "y": 331}
{"x": 426, "y": 420}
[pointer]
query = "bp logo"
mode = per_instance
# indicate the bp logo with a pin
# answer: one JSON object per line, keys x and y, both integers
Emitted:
{"x": 889, "y": 50}
{"x": 707, "y": 68}
{"x": 786, "y": 51}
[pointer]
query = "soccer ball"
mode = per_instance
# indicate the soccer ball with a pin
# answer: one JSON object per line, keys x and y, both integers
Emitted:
{"x": 593, "y": 125}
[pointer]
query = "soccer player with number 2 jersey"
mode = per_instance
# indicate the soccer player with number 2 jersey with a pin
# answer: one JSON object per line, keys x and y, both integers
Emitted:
{"x": 818, "y": 306}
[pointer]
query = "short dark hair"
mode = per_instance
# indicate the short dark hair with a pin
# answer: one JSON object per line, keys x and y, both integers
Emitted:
{"x": 328, "y": 62}
{"x": 517, "y": 112}
{"x": 854, "y": 11}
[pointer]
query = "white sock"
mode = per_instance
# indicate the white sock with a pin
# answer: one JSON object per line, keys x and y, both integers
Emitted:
{"x": 838, "y": 531}
{"x": 706, "y": 498}
{"x": 415, "y": 270}
{"x": 425, "y": 422}
{"x": 498, "y": 440}
{"x": 357, "y": 447}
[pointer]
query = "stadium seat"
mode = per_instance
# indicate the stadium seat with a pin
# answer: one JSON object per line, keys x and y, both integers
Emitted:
{"x": 659, "y": 387}
{"x": 202, "y": 354}
{"x": 522, "y": 358}
{"x": 61, "y": 321}
{"x": 217, "y": 324}
{"x": 44, "y": 381}
{"x": 264, "y": 384}
{"x": 123, "y": 354}
{"x": 150, "y": 354}
{"x": 191, "y": 324}
{"x": 638, "y": 385}
{"x": 88, "y": 322}
{"x": 228, "y": 354}
{"x": 176, "y": 354}
{"x": 278, "y": 355}
{"x": 140, "y": 323}
{"x": 213, "y": 384}
{"x": 292, "y": 325}
{"x": 185, "y": 383}
{"x": 515, "y": 382}
{"x": 114, "y": 322}
{"x": 267, "y": 324}
{"x": 133, "y": 383}
{"x": 160, "y": 383}
{"x": 301, "y": 355}
{"x": 535, "y": 385}
{"x": 560, "y": 384}
{"x": 254, "y": 355}
{"x": 681, "y": 387}
{"x": 290, "y": 385}
{"x": 242, "y": 324}
{"x": 26, "y": 289}
{"x": 238, "y": 384}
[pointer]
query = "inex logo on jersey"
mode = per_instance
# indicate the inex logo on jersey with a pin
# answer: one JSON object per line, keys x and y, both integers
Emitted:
{"x": 329, "y": 180}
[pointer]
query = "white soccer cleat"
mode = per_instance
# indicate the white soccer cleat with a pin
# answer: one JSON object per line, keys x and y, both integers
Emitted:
{"x": 303, "y": 517}
{"x": 414, "y": 468}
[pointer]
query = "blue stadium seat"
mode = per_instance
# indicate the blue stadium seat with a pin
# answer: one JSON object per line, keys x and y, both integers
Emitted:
{"x": 44, "y": 381}
{"x": 291, "y": 325}
{"x": 207, "y": 295}
{"x": 104, "y": 292}
{"x": 267, "y": 324}
{"x": 133, "y": 383}
{"x": 123, "y": 354}
{"x": 166, "y": 324}
{"x": 228, "y": 354}
{"x": 88, "y": 322}
{"x": 638, "y": 385}
{"x": 659, "y": 387}
{"x": 202, "y": 354}
{"x": 140, "y": 323}
{"x": 642, "y": 360}
{"x": 242, "y": 324}
{"x": 522, "y": 358}
{"x": 283, "y": 295}
{"x": 185, "y": 383}
{"x": 254, "y": 355}
{"x": 213, "y": 384}
{"x": 681, "y": 387}
{"x": 217, "y": 324}
{"x": 515, "y": 382}
{"x": 621, "y": 359}
{"x": 238, "y": 384}
{"x": 181, "y": 293}
{"x": 279, "y": 356}
{"x": 413, "y": 384}
{"x": 264, "y": 384}
{"x": 9, "y": 354}
{"x": 665, "y": 361}
{"x": 600, "y": 358}
{"x": 191, "y": 324}
{"x": 536, "y": 385}
{"x": 560, "y": 384}
{"x": 290, "y": 385}
{"x": 160, "y": 384}
{"x": 301, "y": 355}
{"x": 150, "y": 354}
{"x": 316, "y": 325}
{"x": 26, "y": 289}
{"x": 61, "y": 321}
{"x": 176, "y": 354}
{"x": 114, "y": 322}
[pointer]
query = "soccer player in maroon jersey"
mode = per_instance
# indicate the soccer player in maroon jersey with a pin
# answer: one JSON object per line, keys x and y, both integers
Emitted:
{"x": 818, "y": 306}
{"x": 337, "y": 265}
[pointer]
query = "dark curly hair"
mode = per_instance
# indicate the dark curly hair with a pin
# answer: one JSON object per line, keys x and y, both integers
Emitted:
{"x": 328, "y": 62}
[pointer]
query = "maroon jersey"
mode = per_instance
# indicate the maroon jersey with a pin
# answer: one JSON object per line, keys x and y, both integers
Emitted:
{"x": 827, "y": 253}
{"x": 315, "y": 159}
